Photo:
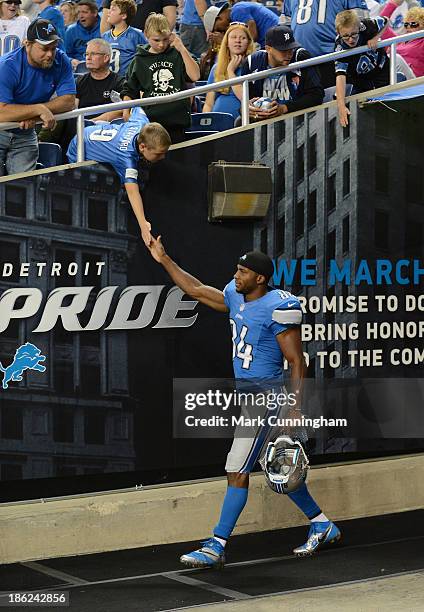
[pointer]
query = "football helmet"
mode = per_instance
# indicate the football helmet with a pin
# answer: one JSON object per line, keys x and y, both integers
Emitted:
{"x": 285, "y": 465}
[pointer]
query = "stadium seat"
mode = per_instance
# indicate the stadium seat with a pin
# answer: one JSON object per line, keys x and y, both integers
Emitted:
{"x": 81, "y": 68}
{"x": 400, "y": 77}
{"x": 214, "y": 122}
{"x": 197, "y": 104}
{"x": 330, "y": 92}
{"x": 49, "y": 154}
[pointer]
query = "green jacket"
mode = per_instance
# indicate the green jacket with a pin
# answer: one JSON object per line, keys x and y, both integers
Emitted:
{"x": 157, "y": 75}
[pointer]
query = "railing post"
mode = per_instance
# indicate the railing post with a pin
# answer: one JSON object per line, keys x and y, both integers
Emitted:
{"x": 245, "y": 104}
{"x": 393, "y": 71}
{"x": 80, "y": 138}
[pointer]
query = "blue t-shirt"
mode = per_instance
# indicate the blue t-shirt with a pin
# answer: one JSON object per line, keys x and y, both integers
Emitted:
{"x": 263, "y": 17}
{"x": 123, "y": 48}
{"x": 256, "y": 352}
{"x": 77, "y": 37}
{"x": 114, "y": 144}
{"x": 53, "y": 14}
{"x": 21, "y": 83}
{"x": 190, "y": 15}
{"x": 313, "y": 22}
{"x": 225, "y": 103}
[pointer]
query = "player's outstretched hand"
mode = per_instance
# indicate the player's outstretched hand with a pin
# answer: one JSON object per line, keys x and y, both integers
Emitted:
{"x": 156, "y": 248}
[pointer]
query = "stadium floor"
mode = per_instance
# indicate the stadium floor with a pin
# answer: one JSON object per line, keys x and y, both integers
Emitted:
{"x": 261, "y": 573}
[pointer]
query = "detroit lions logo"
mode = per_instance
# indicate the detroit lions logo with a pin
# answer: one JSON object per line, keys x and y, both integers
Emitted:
{"x": 27, "y": 357}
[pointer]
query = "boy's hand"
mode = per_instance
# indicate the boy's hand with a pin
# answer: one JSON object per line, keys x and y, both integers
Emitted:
{"x": 344, "y": 113}
{"x": 373, "y": 42}
{"x": 145, "y": 233}
{"x": 126, "y": 114}
{"x": 176, "y": 42}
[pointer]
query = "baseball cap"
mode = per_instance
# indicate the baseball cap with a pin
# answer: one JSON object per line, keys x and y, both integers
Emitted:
{"x": 258, "y": 262}
{"x": 42, "y": 31}
{"x": 281, "y": 38}
{"x": 211, "y": 14}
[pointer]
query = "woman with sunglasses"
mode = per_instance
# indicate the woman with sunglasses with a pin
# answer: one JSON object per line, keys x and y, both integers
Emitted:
{"x": 236, "y": 45}
{"x": 411, "y": 51}
{"x": 13, "y": 26}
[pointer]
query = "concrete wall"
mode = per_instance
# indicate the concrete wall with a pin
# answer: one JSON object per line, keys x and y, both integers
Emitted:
{"x": 165, "y": 514}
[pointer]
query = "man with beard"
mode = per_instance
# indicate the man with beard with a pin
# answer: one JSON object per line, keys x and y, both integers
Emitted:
{"x": 29, "y": 77}
{"x": 265, "y": 327}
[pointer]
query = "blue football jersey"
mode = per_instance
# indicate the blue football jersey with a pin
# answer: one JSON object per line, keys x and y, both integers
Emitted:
{"x": 312, "y": 21}
{"x": 124, "y": 47}
{"x": 115, "y": 144}
{"x": 254, "y": 327}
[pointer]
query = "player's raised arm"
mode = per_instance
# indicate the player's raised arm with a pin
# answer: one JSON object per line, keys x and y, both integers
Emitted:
{"x": 210, "y": 296}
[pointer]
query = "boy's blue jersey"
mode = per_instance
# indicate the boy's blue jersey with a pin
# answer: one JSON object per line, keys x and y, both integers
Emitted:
{"x": 124, "y": 47}
{"x": 312, "y": 21}
{"x": 256, "y": 352}
{"x": 115, "y": 144}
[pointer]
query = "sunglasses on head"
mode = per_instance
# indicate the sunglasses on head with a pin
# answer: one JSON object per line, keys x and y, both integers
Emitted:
{"x": 411, "y": 24}
{"x": 238, "y": 23}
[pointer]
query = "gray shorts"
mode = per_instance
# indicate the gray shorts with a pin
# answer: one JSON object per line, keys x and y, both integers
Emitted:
{"x": 250, "y": 443}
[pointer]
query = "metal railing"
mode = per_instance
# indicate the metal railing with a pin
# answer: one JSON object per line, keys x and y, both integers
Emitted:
{"x": 80, "y": 113}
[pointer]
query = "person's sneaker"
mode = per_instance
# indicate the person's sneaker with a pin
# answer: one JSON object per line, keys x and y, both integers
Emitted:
{"x": 211, "y": 554}
{"x": 320, "y": 534}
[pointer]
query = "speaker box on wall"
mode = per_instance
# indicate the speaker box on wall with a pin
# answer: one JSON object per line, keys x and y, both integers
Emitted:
{"x": 238, "y": 190}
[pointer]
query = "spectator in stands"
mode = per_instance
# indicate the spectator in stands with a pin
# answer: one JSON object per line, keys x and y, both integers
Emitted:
{"x": 192, "y": 30}
{"x": 411, "y": 51}
{"x": 313, "y": 27}
{"x": 49, "y": 10}
{"x": 290, "y": 91}
{"x": 93, "y": 89}
{"x": 159, "y": 69}
{"x": 29, "y": 77}
{"x": 236, "y": 46}
{"x": 122, "y": 146}
{"x": 86, "y": 28}
{"x": 122, "y": 37}
{"x": 69, "y": 12}
{"x": 257, "y": 17}
{"x": 366, "y": 70}
{"x": 13, "y": 26}
{"x": 143, "y": 10}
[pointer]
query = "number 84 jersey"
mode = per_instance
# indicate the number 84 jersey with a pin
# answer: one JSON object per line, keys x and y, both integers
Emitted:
{"x": 254, "y": 327}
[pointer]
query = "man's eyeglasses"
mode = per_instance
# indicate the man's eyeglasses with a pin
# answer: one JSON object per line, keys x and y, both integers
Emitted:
{"x": 411, "y": 24}
{"x": 90, "y": 53}
{"x": 351, "y": 35}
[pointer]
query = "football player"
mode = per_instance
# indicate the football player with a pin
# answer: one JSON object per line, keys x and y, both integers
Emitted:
{"x": 265, "y": 326}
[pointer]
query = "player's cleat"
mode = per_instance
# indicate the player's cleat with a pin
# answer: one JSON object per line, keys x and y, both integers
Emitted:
{"x": 211, "y": 554}
{"x": 320, "y": 534}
